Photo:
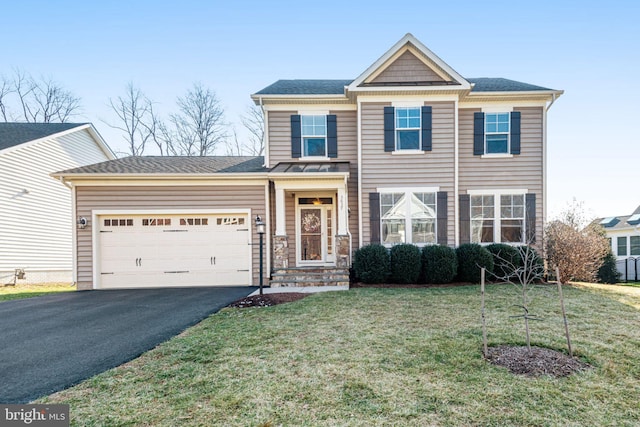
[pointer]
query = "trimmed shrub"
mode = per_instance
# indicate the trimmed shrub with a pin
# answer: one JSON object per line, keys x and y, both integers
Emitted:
{"x": 406, "y": 263}
{"x": 608, "y": 271}
{"x": 506, "y": 259}
{"x": 471, "y": 257}
{"x": 371, "y": 264}
{"x": 439, "y": 264}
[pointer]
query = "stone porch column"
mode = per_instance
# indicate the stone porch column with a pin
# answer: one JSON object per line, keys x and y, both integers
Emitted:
{"x": 343, "y": 251}
{"x": 280, "y": 252}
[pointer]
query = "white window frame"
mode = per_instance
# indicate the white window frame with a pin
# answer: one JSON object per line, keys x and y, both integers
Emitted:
{"x": 304, "y": 136}
{"x": 398, "y": 129}
{"x": 497, "y": 214}
{"x": 408, "y": 226}
{"x": 507, "y": 133}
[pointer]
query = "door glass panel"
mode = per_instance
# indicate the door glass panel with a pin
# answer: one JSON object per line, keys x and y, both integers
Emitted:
{"x": 311, "y": 234}
{"x": 329, "y": 233}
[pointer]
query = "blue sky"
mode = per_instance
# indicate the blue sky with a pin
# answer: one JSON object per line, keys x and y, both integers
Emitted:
{"x": 588, "y": 49}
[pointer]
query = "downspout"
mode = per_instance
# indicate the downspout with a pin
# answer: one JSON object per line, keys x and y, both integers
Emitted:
{"x": 359, "y": 142}
{"x": 553, "y": 99}
{"x": 74, "y": 233}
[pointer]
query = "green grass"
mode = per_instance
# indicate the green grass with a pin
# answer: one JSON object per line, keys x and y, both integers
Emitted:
{"x": 27, "y": 291}
{"x": 392, "y": 357}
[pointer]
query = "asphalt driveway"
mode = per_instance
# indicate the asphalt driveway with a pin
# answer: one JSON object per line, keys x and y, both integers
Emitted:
{"x": 51, "y": 342}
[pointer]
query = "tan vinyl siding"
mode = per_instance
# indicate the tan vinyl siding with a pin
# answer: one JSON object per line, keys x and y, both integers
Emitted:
{"x": 407, "y": 68}
{"x": 36, "y": 226}
{"x": 523, "y": 171}
{"x": 280, "y": 151}
{"x": 382, "y": 169}
{"x": 280, "y": 136}
{"x": 179, "y": 198}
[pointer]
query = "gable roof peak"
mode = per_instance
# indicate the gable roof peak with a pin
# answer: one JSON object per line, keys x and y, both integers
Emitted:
{"x": 410, "y": 43}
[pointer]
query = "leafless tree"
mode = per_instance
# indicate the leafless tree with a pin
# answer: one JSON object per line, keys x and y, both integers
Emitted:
{"x": 233, "y": 145}
{"x": 199, "y": 123}
{"x": 253, "y": 121}
{"x": 160, "y": 133}
{"x": 6, "y": 88}
{"x": 134, "y": 112}
{"x": 522, "y": 267}
{"x": 575, "y": 246}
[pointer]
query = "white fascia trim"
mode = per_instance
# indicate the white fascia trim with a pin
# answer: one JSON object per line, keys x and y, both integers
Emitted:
{"x": 498, "y": 191}
{"x": 101, "y": 142}
{"x": 408, "y": 38}
{"x": 505, "y": 108}
{"x": 501, "y": 104}
{"x": 359, "y": 151}
{"x": 326, "y": 107}
{"x": 412, "y": 100}
{"x": 407, "y": 189}
{"x": 311, "y": 185}
{"x": 312, "y": 110}
{"x": 116, "y": 180}
{"x": 456, "y": 175}
{"x": 372, "y": 89}
{"x": 49, "y": 137}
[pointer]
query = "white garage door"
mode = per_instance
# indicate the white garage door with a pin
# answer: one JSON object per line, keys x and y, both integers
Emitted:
{"x": 173, "y": 250}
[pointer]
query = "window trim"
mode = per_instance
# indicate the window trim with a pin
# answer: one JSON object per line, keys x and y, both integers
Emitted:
{"x": 397, "y": 129}
{"x": 487, "y": 133}
{"x": 497, "y": 214}
{"x": 408, "y": 227}
{"x": 303, "y": 137}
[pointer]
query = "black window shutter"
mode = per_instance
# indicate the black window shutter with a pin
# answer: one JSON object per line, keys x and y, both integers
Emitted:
{"x": 465, "y": 220}
{"x": 515, "y": 132}
{"x": 441, "y": 208}
{"x": 332, "y": 136}
{"x": 530, "y": 212}
{"x": 296, "y": 137}
{"x": 374, "y": 217}
{"x": 389, "y": 129}
{"x": 478, "y": 134}
{"x": 426, "y": 128}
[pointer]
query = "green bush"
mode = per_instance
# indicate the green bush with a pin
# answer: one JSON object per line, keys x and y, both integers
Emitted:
{"x": 506, "y": 259}
{"x": 471, "y": 257}
{"x": 439, "y": 264}
{"x": 371, "y": 264}
{"x": 406, "y": 263}
{"x": 608, "y": 271}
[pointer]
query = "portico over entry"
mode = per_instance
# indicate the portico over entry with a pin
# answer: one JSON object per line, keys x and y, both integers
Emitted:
{"x": 311, "y": 215}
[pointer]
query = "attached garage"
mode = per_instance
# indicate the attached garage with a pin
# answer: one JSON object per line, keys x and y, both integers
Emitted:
{"x": 171, "y": 250}
{"x": 147, "y": 222}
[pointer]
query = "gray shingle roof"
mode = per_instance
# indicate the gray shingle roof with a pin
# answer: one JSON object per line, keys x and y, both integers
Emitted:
{"x": 306, "y": 87}
{"x": 12, "y": 134}
{"x": 498, "y": 84}
{"x": 620, "y": 221}
{"x": 172, "y": 165}
{"x": 336, "y": 87}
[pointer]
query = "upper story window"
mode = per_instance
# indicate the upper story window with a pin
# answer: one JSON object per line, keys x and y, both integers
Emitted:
{"x": 496, "y": 133}
{"x": 408, "y": 217}
{"x": 498, "y": 218}
{"x": 314, "y": 136}
{"x": 407, "y": 128}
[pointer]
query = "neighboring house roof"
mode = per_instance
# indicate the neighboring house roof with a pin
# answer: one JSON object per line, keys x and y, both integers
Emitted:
{"x": 620, "y": 222}
{"x": 336, "y": 87}
{"x": 169, "y": 165}
{"x": 12, "y": 134}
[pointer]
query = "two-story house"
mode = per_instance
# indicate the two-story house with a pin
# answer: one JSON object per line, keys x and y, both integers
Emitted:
{"x": 409, "y": 151}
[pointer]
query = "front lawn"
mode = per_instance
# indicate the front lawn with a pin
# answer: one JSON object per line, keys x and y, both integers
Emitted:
{"x": 27, "y": 291}
{"x": 405, "y": 357}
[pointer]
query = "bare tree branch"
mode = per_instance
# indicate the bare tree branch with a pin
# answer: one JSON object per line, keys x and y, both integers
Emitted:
{"x": 199, "y": 123}
{"x": 133, "y": 111}
{"x": 253, "y": 121}
{"x": 234, "y": 147}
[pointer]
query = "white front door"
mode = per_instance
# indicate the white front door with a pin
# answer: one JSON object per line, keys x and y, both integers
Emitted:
{"x": 315, "y": 229}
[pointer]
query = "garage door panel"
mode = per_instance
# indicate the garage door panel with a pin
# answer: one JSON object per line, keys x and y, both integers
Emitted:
{"x": 170, "y": 250}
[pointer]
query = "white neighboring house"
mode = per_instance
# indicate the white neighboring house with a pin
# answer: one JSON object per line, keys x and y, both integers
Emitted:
{"x": 624, "y": 235}
{"x": 35, "y": 209}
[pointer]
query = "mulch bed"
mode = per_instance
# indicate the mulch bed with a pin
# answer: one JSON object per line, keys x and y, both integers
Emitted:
{"x": 537, "y": 362}
{"x": 267, "y": 300}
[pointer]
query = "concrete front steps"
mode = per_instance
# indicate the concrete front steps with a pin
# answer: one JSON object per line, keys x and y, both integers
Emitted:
{"x": 306, "y": 276}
